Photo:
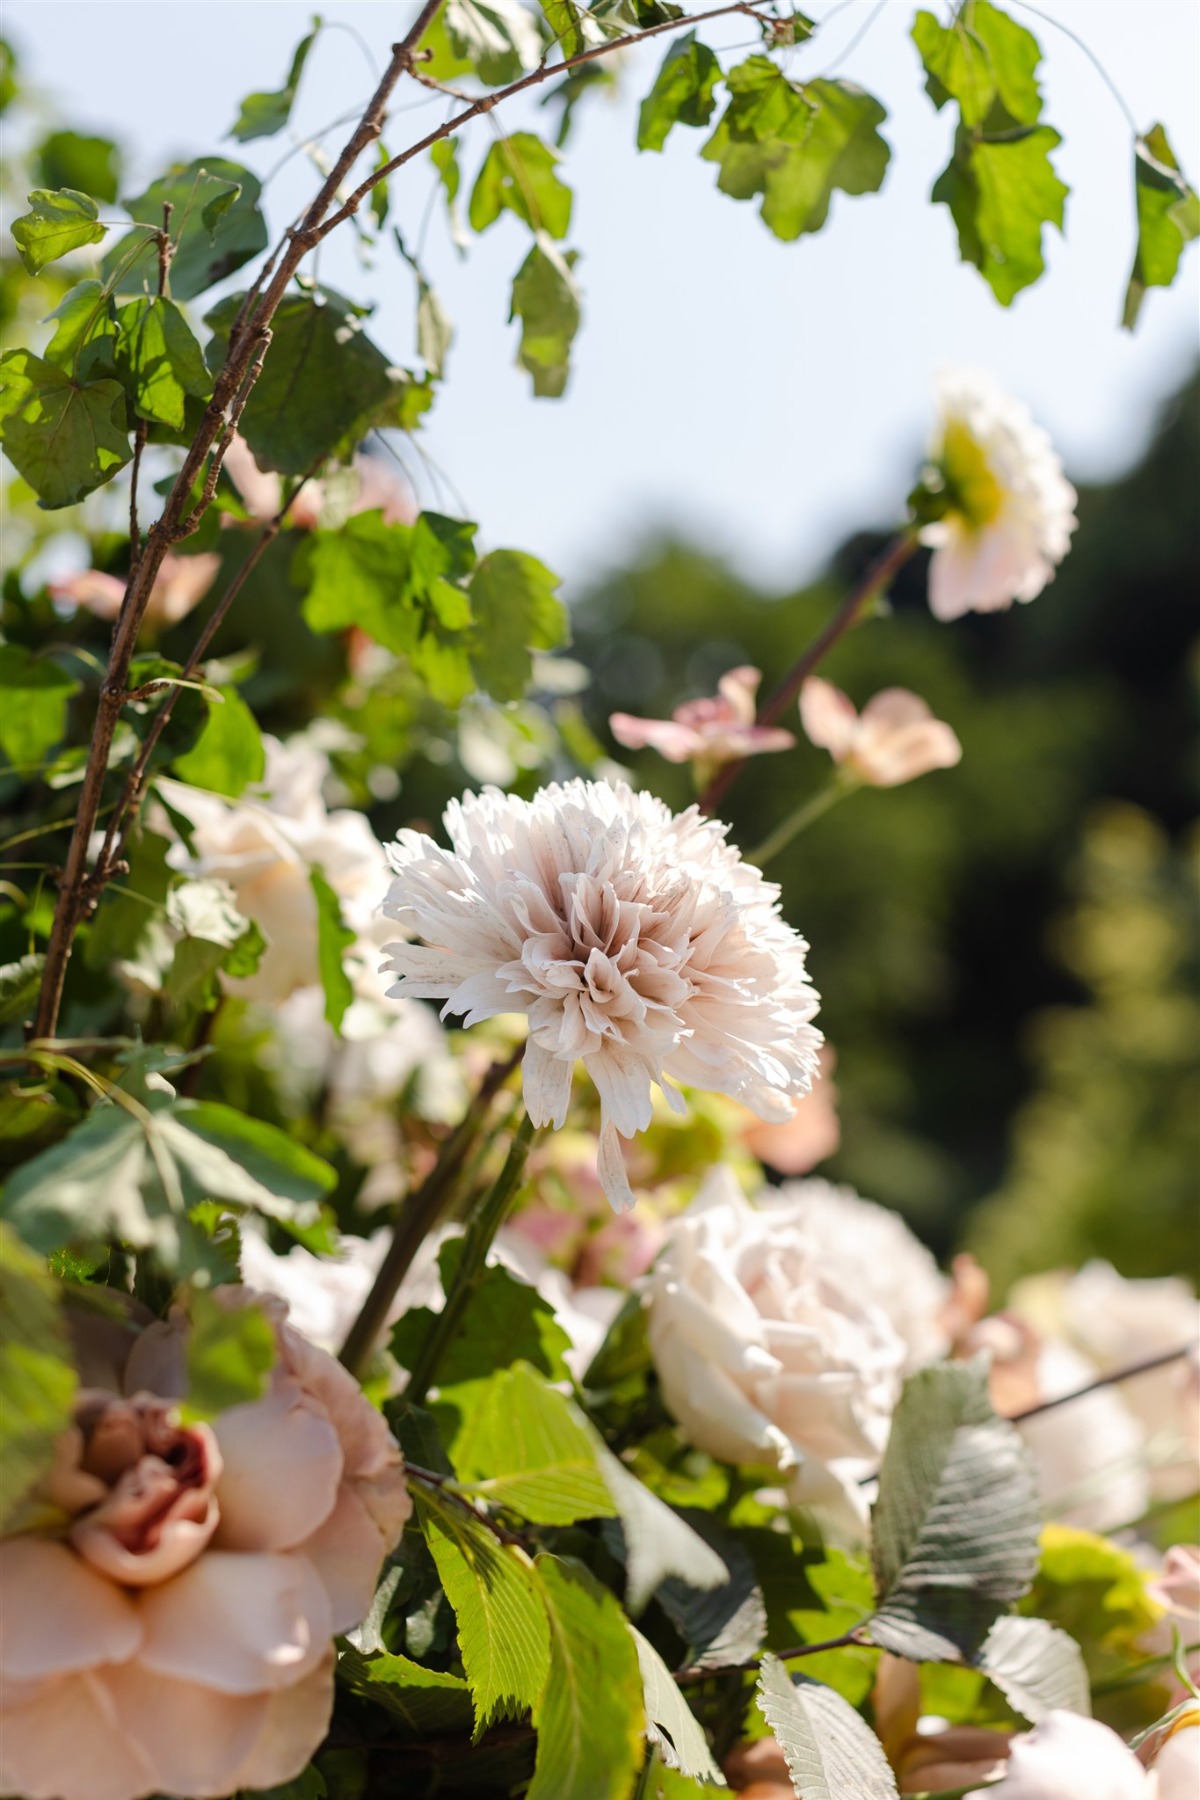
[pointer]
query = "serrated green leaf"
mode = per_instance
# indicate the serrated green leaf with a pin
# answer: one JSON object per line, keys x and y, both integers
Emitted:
{"x": 228, "y": 755}
{"x": 518, "y": 176}
{"x": 72, "y": 159}
{"x": 1037, "y": 1667}
{"x": 546, "y": 300}
{"x": 955, "y": 1527}
{"x": 65, "y": 437}
{"x": 830, "y": 1751}
{"x": 262, "y": 115}
{"x": 591, "y": 1719}
{"x": 723, "y": 1624}
{"x": 57, "y": 222}
{"x": 334, "y": 938}
{"x": 532, "y": 1451}
{"x": 670, "y": 1722}
{"x": 33, "y": 718}
{"x": 1168, "y": 217}
{"x": 421, "y": 1701}
{"x": 230, "y": 1354}
{"x": 516, "y": 610}
{"x": 216, "y": 226}
{"x": 158, "y": 361}
{"x": 37, "y": 1380}
{"x": 982, "y": 60}
{"x": 658, "y": 1544}
{"x": 1000, "y": 196}
{"x": 503, "y": 1638}
{"x": 682, "y": 93}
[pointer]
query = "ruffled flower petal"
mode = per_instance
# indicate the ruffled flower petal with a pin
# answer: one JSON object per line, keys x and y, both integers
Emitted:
{"x": 58, "y": 1614}
{"x": 238, "y": 1623}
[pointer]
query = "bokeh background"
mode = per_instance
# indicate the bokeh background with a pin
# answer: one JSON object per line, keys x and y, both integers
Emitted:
{"x": 1006, "y": 950}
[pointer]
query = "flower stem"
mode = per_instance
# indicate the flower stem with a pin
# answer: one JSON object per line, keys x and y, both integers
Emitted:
{"x": 812, "y": 808}
{"x": 471, "y": 1264}
{"x": 419, "y": 1213}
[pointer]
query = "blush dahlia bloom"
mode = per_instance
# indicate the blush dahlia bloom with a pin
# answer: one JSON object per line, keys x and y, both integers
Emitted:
{"x": 894, "y": 739}
{"x": 176, "y": 1636}
{"x": 710, "y": 731}
{"x": 1011, "y": 513}
{"x": 635, "y": 941}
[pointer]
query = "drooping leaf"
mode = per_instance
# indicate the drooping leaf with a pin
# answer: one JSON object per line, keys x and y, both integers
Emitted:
{"x": 1168, "y": 218}
{"x": 516, "y": 610}
{"x": 230, "y": 1355}
{"x": 498, "y": 39}
{"x": 670, "y": 1722}
{"x": 955, "y": 1527}
{"x": 546, "y": 300}
{"x": 796, "y": 145}
{"x": 519, "y": 175}
{"x": 1037, "y": 1667}
{"x": 37, "y": 1380}
{"x": 1001, "y": 194}
{"x": 682, "y": 93}
{"x": 435, "y": 333}
{"x": 213, "y": 936}
{"x": 33, "y": 717}
{"x": 982, "y": 60}
{"x": 65, "y": 437}
{"x": 591, "y": 1719}
{"x": 72, "y": 159}
{"x": 503, "y": 1638}
{"x": 57, "y": 222}
{"x": 334, "y": 938}
{"x": 215, "y": 226}
{"x": 830, "y": 1751}
{"x": 228, "y": 755}
{"x": 722, "y": 1624}
{"x": 158, "y": 361}
{"x": 422, "y": 1702}
{"x": 263, "y": 114}
{"x": 444, "y": 157}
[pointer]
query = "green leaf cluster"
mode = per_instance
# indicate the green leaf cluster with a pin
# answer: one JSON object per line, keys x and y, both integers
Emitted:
{"x": 215, "y": 226}
{"x": 1168, "y": 219}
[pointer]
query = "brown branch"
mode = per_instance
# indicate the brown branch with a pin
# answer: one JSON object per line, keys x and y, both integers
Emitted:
{"x": 135, "y": 536}
{"x": 697, "y": 1672}
{"x": 166, "y": 250}
{"x": 1149, "y": 1363}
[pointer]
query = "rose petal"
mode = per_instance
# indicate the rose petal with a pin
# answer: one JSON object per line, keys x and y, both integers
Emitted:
{"x": 238, "y": 1623}
{"x": 347, "y": 1553}
{"x": 194, "y": 1737}
{"x": 283, "y": 1463}
{"x": 58, "y": 1614}
{"x": 296, "y": 1721}
{"x": 67, "y": 1744}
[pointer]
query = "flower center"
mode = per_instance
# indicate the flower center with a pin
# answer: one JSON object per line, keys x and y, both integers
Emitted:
{"x": 974, "y": 491}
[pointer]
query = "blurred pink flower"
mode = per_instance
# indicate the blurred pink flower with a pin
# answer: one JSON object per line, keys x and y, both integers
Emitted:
{"x": 376, "y": 489}
{"x": 796, "y": 1145}
{"x": 180, "y": 585}
{"x": 717, "y": 730}
{"x": 895, "y": 738}
{"x": 177, "y": 1636}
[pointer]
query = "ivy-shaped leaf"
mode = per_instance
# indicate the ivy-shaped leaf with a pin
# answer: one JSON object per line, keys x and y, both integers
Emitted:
{"x": 216, "y": 226}
{"x": 590, "y": 1720}
{"x": 262, "y": 115}
{"x": 56, "y": 223}
{"x": 158, "y": 361}
{"x": 72, "y": 159}
{"x": 546, "y": 300}
{"x": 85, "y": 333}
{"x": 682, "y": 93}
{"x": 228, "y": 755}
{"x": 983, "y": 59}
{"x": 1001, "y": 194}
{"x": 1168, "y": 218}
{"x": 66, "y": 437}
{"x": 516, "y": 608}
{"x": 518, "y": 175}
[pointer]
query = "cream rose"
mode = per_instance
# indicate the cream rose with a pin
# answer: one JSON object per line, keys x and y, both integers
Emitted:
{"x": 1066, "y": 1757}
{"x": 177, "y": 1637}
{"x": 765, "y": 1355}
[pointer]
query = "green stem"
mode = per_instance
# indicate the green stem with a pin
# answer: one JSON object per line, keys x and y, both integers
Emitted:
{"x": 471, "y": 1265}
{"x": 842, "y": 784}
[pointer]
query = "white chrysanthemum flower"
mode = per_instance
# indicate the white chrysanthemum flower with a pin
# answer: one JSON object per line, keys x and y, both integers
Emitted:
{"x": 1011, "y": 509}
{"x": 634, "y": 940}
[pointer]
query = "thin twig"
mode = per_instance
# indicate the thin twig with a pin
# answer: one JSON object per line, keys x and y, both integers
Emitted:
{"x": 166, "y": 250}
{"x": 1161, "y": 1361}
{"x": 135, "y": 536}
{"x": 697, "y": 1672}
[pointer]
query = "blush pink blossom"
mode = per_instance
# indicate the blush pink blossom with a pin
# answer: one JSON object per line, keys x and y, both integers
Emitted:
{"x": 710, "y": 731}
{"x": 894, "y": 739}
{"x": 180, "y": 585}
{"x": 176, "y": 1636}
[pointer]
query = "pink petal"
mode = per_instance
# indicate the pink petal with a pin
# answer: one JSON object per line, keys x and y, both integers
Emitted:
{"x": 675, "y": 742}
{"x": 610, "y": 1167}
{"x": 347, "y": 1553}
{"x": 828, "y": 717}
{"x": 904, "y": 755}
{"x": 66, "y": 1744}
{"x": 283, "y": 1463}
{"x": 237, "y": 1623}
{"x": 546, "y": 1081}
{"x": 738, "y": 687}
{"x": 297, "y": 1720}
{"x": 57, "y": 1613}
{"x": 194, "y": 1737}
{"x": 892, "y": 708}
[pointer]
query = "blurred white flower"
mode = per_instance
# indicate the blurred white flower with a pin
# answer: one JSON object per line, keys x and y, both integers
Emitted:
{"x": 767, "y": 1354}
{"x": 895, "y": 738}
{"x": 265, "y": 846}
{"x": 634, "y": 940}
{"x": 1067, "y": 1757}
{"x": 709, "y": 731}
{"x": 180, "y": 585}
{"x": 1010, "y": 510}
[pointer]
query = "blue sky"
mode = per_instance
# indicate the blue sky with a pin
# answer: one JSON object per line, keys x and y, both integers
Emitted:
{"x": 764, "y": 397}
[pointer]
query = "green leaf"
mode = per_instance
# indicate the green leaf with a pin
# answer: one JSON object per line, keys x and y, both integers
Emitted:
{"x": 33, "y": 718}
{"x": 37, "y": 1381}
{"x": 982, "y": 60}
{"x": 228, "y": 755}
{"x": 546, "y": 300}
{"x": 498, "y": 40}
{"x": 590, "y": 1720}
{"x": 421, "y": 1701}
{"x": 532, "y": 1451}
{"x": 955, "y": 1527}
{"x": 65, "y": 437}
{"x": 670, "y": 1722}
{"x": 1168, "y": 218}
{"x": 723, "y": 1624}
{"x": 517, "y": 610}
{"x": 657, "y": 1543}
{"x": 322, "y": 386}
{"x": 158, "y": 361}
{"x": 570, "y": 25}
{"x": 214, "y": 935}
{"x": 503, "y": 1638}
{"x": 71, "y": 159}
{"x": 444, "y": 157}
{"x": 19, "y": 983}
{"x": 216, "y": 226}
{"x": 1037, "y": 1667}
{"x": 230, "y": 1355}
{"x": 85, "y": 334}
{"x": 262, "y": 115}
{"x": 9, "y": 84}
{"x": 1095, "y": 1591}
{"x": 435, "y": 333}
{"x": 56, "y": 223}
{"x": 682, "y": 93}
{"x": 518, "y": 174}
{"x": 830, "y": 1751}
{"x": 334, "y": 938}
{"x": 1000, "y": 196}
{"x": 796, "y": 145}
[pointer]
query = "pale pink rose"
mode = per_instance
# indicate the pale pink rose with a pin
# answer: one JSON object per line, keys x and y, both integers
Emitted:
{"x": 1066, "y": 1757}
{"x": 894, "y": 739}
{"x": 177, "y": 1639}
{"x": 1176, "y": 1588}
{"x": 1176, "y": 1764}
{"x": 712, "y": 731}
{"x": 180, "y": 585}
{"x": 796, "y": 1145}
